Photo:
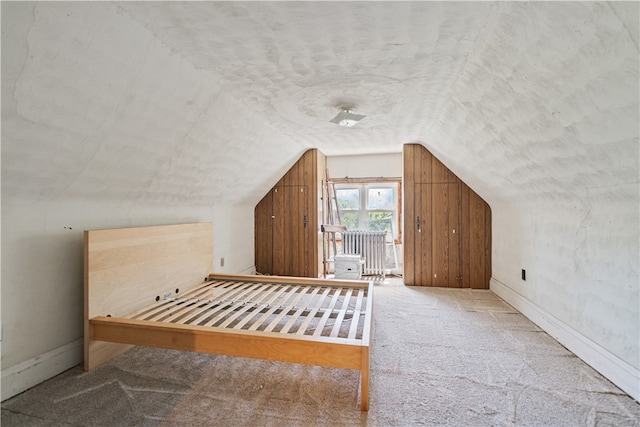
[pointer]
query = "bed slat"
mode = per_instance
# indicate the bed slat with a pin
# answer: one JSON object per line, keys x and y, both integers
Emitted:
{"x": 298, "y": 312}
{"x": 268, "y": 299}
{"x": 165, "y": 308}
{"x": 197, "y": 307}
{"x": 297, "y": 296}
{"x": 309, "y": 317}
{"x": 287, "y": 291}
{"x": 341, "y": 314}
{"x": 259, "y": 293}
{"x": 355, "y": 319}
{"x": 212, "y": 306}
{"x": 327, "y": 312}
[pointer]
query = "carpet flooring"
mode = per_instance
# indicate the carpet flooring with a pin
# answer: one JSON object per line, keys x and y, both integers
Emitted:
{"x": 440, "y": 357}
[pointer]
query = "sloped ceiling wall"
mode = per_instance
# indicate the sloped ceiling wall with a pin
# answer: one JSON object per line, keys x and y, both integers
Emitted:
{"x": 188, "y": 102}
{"x": 139, "y": 112}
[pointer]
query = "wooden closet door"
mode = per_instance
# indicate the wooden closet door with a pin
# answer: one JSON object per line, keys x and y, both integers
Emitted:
{"x": 290, "y": 239}
{"x": 454, "y": 235}
{"x": 263, "y": 230}
{"x": 436, "y": 236}
{"x": 440, "y": 235}
{"x": 423, "y": 231}
{"x": 414, "y": 214}
{"x": 287, "y": 221}
{"x": 447, "y": 227}
{"x": 446, "y": 240}
{"x": 479, "y": 272}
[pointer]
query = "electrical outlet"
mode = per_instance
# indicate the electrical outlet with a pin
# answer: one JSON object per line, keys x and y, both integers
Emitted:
{"x": 221, "y": 262}
{"x": 524, "y": 274}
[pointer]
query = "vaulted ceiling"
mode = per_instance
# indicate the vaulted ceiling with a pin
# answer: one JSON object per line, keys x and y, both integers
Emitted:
{"x": 211, "y": 102}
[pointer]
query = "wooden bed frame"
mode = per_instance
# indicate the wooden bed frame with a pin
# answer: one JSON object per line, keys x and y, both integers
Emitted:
{"x": 144, "y": 286}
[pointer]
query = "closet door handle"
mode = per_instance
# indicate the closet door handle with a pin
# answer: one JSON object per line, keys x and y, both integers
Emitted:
{"x": 304, "y": 221}
{"x": 418, "y": 225}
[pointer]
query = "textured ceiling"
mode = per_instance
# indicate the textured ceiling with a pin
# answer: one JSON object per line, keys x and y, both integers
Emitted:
{"x": 206, "y": 102}
{"x": 297, "y": 64}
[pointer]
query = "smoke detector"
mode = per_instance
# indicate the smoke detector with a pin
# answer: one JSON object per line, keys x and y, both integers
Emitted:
{"x": 347, "y": 118}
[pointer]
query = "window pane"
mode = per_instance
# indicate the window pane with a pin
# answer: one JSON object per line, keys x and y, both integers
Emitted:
{"x": 380, "y": 198}
{"x": 350, "y": 220}
{"x": 380, "y": 221}
{"x": 348, "y": 199}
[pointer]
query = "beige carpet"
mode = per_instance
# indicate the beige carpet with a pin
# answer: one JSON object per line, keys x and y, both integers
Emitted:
{"x": 440, "y": 357}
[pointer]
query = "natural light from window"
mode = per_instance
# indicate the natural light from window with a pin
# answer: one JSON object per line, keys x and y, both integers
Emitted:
{"x": 369, "y": 206}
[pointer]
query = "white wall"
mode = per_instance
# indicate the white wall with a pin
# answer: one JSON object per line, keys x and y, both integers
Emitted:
{"x": 88, "y": 141}
{"x": 42, "y": 274}
{"x": 365, "y": 166}
{"x": 545, "y": 129}
{"x": 582, "y": 283}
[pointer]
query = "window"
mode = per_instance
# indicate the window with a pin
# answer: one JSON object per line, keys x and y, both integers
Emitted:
{"x": 369, "y": 206}
{"x": 349, "y": 206}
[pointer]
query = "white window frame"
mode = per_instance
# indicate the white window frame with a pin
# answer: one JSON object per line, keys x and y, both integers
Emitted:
{"x": 363, "y": 211}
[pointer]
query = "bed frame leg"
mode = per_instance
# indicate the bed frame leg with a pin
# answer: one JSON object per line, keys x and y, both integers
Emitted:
{"x": 364, "y": 381}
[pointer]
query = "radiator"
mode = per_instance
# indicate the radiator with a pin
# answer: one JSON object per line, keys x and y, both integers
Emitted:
{"x": 370, "y": 245}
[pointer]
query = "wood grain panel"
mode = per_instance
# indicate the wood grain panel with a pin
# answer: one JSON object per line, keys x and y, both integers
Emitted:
{"x": 487, "y": 245}
{"x": 179, "y": 255}
{"x": 439, "y": 172}
{"x": 279, "y": 245}
{"x": 477, "y": 249}
{"x": 440, "y": 236}
{"x": 426, "y": 236}
{"x": 424, "y": 256}
{"x": 465, "y": 235}
{"x": 436, "y": 256}
{"x": 240, "y": 343}
{"x": 454, "y": 211}
{"x": 291, "y": 230}
{"x": 409, "y": 179}
{"x": 296, "y": 250}
{"x": 263, "y": 236}
{"x": 424, "y": 167}
{"x": 308, "y": 266}
{"x": 320, "y": 209}
{"x": 293, "y": 249}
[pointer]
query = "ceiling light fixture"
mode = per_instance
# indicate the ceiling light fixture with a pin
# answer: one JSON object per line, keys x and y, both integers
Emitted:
{"x": 347, "y": 118}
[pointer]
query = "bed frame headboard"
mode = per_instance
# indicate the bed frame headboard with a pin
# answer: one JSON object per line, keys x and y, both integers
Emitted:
{"x": 128, "y": 268}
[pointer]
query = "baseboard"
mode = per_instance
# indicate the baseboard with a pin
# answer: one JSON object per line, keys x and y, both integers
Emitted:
{"x": 29, "y": 373}
{"x": 611, "y": 366}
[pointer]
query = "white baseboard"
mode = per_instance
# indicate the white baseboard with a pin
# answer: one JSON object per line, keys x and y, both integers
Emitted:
{"x": 29, "y": 373}
{"x": 611, "y": 366}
